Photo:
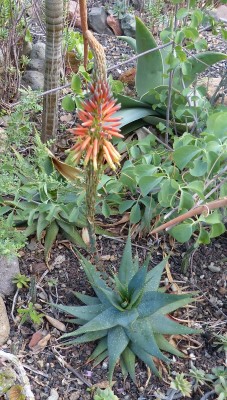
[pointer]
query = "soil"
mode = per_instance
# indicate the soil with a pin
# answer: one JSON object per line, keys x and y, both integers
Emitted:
{"x": 206, "y": 273}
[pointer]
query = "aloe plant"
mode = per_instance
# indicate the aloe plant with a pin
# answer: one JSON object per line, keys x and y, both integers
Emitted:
{"x": 128, "y": 316}
{"x": 152, "y": 83}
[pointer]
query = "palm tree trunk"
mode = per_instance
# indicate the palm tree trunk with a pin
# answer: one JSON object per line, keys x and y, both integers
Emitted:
{"x": 53, "y": 62}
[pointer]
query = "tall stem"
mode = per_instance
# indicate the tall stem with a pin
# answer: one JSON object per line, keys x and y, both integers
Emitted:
{"x": 92, "y": 178}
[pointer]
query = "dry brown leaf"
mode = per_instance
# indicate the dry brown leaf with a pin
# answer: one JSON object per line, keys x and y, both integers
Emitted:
{"x": 41, "y": 344}
{"x": 123, "y": 220}
{"x": 70, "y": 173}
{"x": 16, "y": 393}
{"x": 55, "y": 323}
{"x": 36, "y": 337}
{"x": 103, "y": 384}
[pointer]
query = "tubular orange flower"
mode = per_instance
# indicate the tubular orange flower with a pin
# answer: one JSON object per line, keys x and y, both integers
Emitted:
{"x": 97, "y": 128}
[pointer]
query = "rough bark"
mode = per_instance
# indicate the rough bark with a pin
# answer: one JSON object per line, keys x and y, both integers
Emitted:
{"x": 53, "y": 62}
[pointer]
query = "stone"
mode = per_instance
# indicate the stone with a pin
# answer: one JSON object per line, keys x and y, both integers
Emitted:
{"x": 97, "y": 21}
{"x": 220, "y": 13}
{"x": 27, "y": 48}
{"x": 9, "y": 267}
{"x": 34, "y": 79}
{"x": 4, "y": 323}
{"x": 38, "y": 51}
{"x": 114, "y": 24}
{"x": 36, "y": 64}
{"x": 128, "y": 25}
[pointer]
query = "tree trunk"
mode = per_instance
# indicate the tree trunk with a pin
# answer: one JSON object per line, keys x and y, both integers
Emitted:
{"x": 53, "y": 62}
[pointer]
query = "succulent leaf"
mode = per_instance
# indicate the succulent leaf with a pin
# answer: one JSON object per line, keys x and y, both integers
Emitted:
{"x": 117, "y": 343}
{"x": 136, "y": 286}
{"x": 164, "y": 303}
{"x": 100, "y": 348}
{"x": 154, "y": 276}
{"x": 100, "y": 358}
{"x": 127, "y": 267}
{"x": 141, "y": 334}
{"x": 127, "y": 360}
{"x": 88, "y": 300}
{"x": 84, "y": 312}
{"x": 163, "y": 344}
{"x": 86, "y": 337}
{"x": 145, "y": 357}
{"x": 96, "y": 282}
{"x": 166, "y": 326}
{"x": 131, "y": 320}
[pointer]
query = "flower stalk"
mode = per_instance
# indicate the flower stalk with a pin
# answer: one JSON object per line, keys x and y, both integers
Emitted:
{"x": 94, "y": 132}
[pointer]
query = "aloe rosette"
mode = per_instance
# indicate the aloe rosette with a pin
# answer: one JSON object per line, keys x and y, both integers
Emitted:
{"x": 128, "y": 317}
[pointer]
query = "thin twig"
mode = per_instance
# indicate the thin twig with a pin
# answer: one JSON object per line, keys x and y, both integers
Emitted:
{"x": 108, "y": 69}
{"x": 158, "y": 139}
{"x": 13, "y": 305}
{"x": 73, "y": 370}
{"x": 192, "y": 213}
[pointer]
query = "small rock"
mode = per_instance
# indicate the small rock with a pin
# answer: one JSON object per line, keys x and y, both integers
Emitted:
{"x": 34, "y": 79}
{"x": 27, "y": 48}
{"x": 222, "y": 291}
{"x": 7, "y": 379}
{"x": 4, "y": 323}
{"x": 128, "y": 25}
{"x": 57, "y": 324}
{"x": 38, "y": 51}
{"x": 114, "y": 24}
{"x": 213, "y": 268}
{"x": 97, "y": 19}
{"x": 53, "y": 395}
{"x": 74, "y": 395}
{"x": 36, "y": 65}
{"x": 9, "y": 267}
{"x": 220, "y": 13}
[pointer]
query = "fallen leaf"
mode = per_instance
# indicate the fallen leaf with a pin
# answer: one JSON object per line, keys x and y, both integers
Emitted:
{"x": 108, "y": 257}
{"x": 36, "y": 337}
{"x": 41, "y": 344}
{"x": 55, "y": 323}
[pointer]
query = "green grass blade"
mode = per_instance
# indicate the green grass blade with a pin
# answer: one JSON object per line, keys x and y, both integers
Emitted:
{"x": 50, "y": 238}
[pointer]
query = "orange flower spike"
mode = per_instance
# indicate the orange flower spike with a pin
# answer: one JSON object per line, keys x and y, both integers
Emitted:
{"x": 112, "y": 150}
{"x": 88, "y": 155}
{"x": 85, "y": 143}
{"x": 108, "y": 158}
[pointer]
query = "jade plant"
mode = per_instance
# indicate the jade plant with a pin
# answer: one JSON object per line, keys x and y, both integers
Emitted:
{"x": 155, "y": 86}
{"x": 129, "y": 315}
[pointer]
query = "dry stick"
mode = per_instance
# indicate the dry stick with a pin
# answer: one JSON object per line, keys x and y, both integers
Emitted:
{"x": 192, "y": 213}
{"x": 73, "y": 370}
{"x": 84, "y": 27}
{"x": 108, "y": 69}
{"x": 21, "y": 373}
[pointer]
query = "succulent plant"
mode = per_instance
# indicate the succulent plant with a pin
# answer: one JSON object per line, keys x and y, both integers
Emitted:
{"x": 128, "y": 316}
{"x": 106, "y": 394}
